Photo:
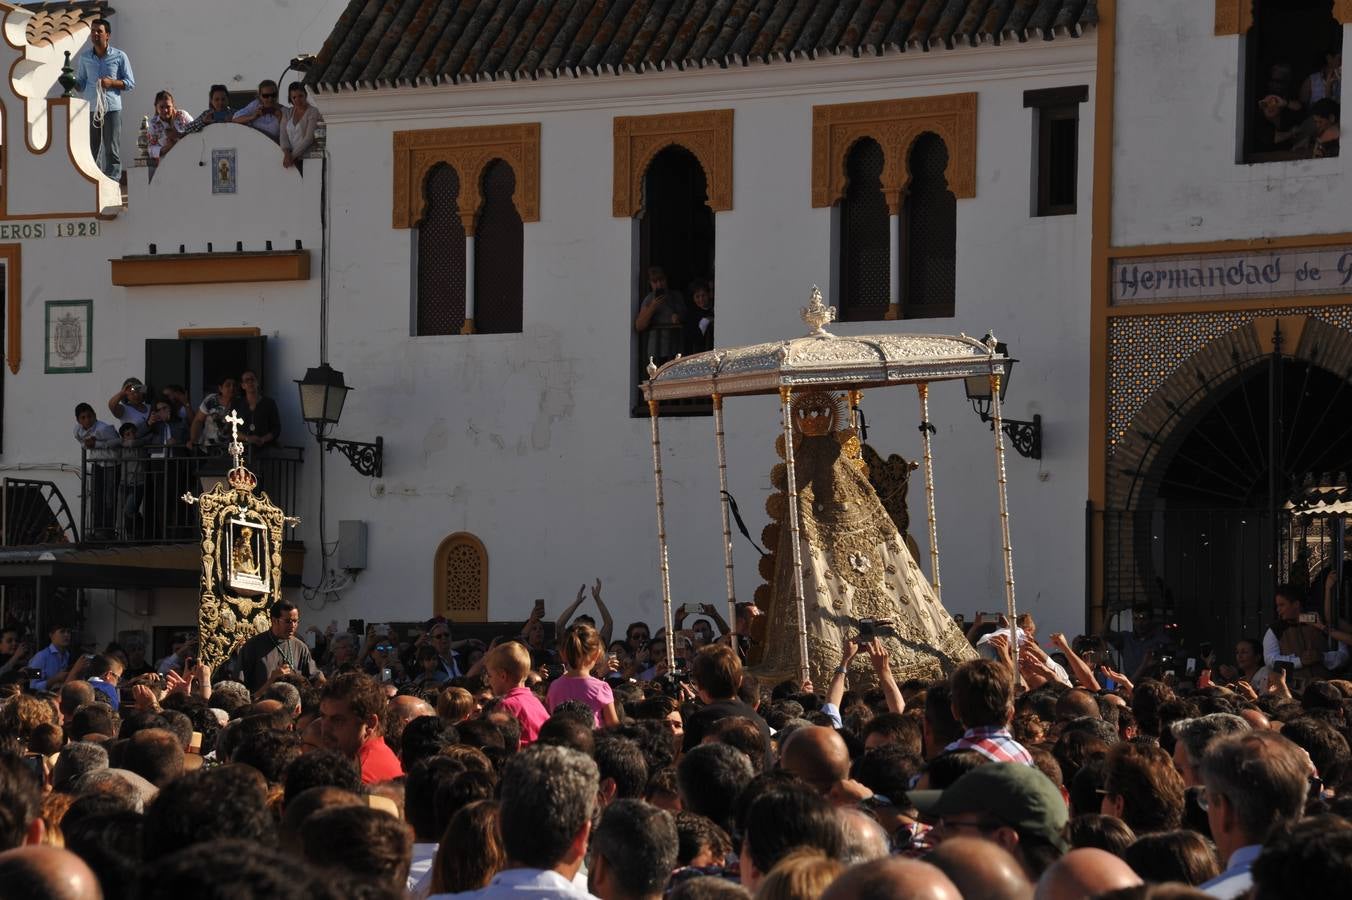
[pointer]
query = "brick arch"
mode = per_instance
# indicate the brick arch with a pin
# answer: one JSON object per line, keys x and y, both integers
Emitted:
{"x": 1166, "y": 418}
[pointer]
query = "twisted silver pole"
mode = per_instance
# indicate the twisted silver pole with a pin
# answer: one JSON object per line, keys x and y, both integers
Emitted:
{"x": 662, "y": 563}
{"x": 727, "y": 518}
{"x": 925, "y": 429}
{"x": 791, "y": 485}
{"x": 997, "y": 422}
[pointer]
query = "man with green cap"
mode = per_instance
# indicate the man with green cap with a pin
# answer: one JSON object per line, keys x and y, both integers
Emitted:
{"x": 1009, "y": 804}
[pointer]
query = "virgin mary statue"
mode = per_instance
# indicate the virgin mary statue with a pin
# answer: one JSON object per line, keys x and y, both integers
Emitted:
{"x": 856, "y": 567}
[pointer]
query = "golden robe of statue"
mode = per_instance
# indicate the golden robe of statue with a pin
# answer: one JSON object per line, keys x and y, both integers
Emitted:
{"x": 855, "y": 565}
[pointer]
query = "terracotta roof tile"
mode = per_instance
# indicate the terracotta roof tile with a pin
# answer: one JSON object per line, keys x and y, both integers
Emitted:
{"x": 55, "y": 18}
{"x": 379, "y": 43}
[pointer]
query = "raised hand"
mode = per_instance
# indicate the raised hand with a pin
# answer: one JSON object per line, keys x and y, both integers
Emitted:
{"x": 878, "y": 656}
{"x": 596, "y": 591}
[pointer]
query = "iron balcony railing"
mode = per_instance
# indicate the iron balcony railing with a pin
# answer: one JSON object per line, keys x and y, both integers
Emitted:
{"x": 134, "y": 495}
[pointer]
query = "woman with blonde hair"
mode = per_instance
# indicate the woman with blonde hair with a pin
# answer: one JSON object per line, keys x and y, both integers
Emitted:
{"x": 801, "y": 875}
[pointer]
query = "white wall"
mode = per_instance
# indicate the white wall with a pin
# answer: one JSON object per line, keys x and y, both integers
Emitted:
{"x": 177, "y": 207}
{"x": 1175, "y": 180}
{"x": 526, "y": 441}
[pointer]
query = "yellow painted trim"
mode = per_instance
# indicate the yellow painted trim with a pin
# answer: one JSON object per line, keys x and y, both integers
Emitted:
{"x": 1235, "y": 17}
{"x": 1231, "y": 246}
{"x": 188, "y": 334}
{"x": 1211, "y": 306}
{"x": 1101, "y": 240}
{"x": 211, "y": 268}
{"x": 12, "y": 254}
{"x": 468, "y": 151}
{"x": 707, "y": 134}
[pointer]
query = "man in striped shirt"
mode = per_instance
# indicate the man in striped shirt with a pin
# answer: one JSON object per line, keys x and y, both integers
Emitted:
{"x": 983, "y": 701}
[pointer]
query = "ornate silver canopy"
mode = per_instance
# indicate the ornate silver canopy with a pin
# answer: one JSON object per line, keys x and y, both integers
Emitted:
{"x": 824, "y": 360}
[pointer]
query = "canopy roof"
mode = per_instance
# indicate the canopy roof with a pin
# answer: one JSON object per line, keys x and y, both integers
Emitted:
{"x": 824, "y": 360}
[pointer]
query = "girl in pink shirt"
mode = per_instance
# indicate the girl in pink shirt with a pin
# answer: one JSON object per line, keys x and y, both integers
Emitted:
{"x": 582, "y": 651}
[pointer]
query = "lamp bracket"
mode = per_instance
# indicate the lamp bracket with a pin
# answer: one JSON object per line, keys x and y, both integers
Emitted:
{"x": 1024, "y": 436}
{"x": 367, "y": 459}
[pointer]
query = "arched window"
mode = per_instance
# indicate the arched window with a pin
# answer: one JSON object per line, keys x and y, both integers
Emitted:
{"x": 929, "y": 225}
{"x": 441, "y": 256}
{"x": 460, "y": 579}
{"x": 676, "y": 235}
{"x": 498, "y": 260}
{"x": 865, "y": 267}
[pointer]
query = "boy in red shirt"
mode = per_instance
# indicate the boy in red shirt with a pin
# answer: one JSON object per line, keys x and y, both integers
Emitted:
{"x": 508, "y": 665}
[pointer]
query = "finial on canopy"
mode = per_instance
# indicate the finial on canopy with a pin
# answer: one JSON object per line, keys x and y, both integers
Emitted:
{"x": 817, "y": 315}
{"x": 652, "y": 368}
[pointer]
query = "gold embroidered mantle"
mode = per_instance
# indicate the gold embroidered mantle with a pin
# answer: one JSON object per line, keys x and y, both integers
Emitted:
{"x": 855, "y": 566}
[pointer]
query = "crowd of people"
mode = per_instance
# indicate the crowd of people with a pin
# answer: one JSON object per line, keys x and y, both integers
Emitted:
{"x": 103, "y": 74}
{"x": 382, "y": 763}
{"x": 1302, "y": 110}
{"x": 130, "y": 487}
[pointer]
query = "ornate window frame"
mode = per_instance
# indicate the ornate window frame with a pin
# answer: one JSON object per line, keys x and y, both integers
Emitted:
{"x": 1234, "y": 17}
{"x": 441, "y": 582}
{"x": 895, "y": 125}
{"x": 469, "y": 151}
{"x": 707, "y": 134}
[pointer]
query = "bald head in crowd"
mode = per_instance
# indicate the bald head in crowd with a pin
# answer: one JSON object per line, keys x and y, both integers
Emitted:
{"x": 1076, "y": 703}
{"x": 980, "y": 868}
{"x": 817, "y": 755}
{"x": 865, "y": 839}
{"x": 893, "y": 878}
{"x": 1085, "y": 873}
{"x": 40, "y": 872}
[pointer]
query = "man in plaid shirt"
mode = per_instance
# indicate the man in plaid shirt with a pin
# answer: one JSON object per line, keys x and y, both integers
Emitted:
{"x": 983, "y": 701}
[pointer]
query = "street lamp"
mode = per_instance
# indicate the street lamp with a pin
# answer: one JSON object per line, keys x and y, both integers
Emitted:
{"x": 322, "y": 393}
{"x": 1026, "y": 437}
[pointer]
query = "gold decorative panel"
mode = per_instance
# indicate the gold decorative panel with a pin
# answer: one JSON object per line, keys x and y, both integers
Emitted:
{"x": 468, "y": 151}
{"x": 461, "y": 578}
{"x": 706, "y": 134}
{"x": 895, "y": 125}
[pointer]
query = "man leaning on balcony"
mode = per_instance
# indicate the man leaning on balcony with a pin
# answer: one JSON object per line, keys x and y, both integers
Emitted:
{"x": 103, "y": 73}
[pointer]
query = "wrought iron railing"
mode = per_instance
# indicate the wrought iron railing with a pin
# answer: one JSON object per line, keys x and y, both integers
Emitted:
{"x": 134, "y": 495}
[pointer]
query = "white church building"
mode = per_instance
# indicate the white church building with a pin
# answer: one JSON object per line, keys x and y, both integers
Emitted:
{"x": 472, "y": 246}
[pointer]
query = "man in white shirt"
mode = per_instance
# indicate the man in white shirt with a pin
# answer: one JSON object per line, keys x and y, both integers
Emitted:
{"x": 1254, "y": 784}
{"x": 548, "y": 801}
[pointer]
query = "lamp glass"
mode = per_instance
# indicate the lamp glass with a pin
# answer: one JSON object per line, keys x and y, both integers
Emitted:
{"x": 322, "y": 393}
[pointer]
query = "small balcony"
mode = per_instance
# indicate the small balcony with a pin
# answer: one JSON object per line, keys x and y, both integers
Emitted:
{"x": 134, "y": 495}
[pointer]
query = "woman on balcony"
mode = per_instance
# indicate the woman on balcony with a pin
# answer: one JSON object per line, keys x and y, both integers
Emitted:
{"x": 298, "y": 128}
{"x": 262, "y": 423}
{"x": 209, "y": 429}
{"x": 166, "y": 126}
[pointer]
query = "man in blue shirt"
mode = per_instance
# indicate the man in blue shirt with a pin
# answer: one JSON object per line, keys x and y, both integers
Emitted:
{"x": 104, "y": 69}
{"x": 52, "y": 660}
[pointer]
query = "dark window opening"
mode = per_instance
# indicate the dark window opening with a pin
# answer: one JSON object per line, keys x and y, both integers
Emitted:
{"x": 1056, "y": 133}
{"x": 498, "y": 255}
{"x": 865, "y": 237}
{"x": 441, "y": 256}
{"x": 1293, "y": 87}
{"x": 929, "y": 234}
{"x": 676, "y": 236}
